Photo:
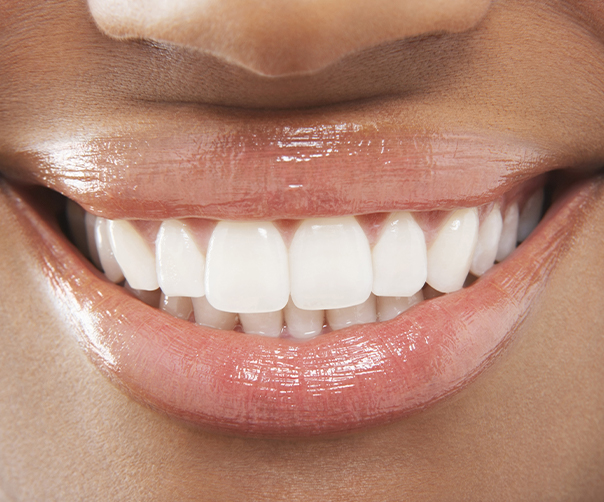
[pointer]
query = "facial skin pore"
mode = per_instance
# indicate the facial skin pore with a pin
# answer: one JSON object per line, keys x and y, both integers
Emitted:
{"x": 531, "y": 427}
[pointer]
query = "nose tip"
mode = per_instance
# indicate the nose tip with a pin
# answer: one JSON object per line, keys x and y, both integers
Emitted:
{"x": 283, "y": 37}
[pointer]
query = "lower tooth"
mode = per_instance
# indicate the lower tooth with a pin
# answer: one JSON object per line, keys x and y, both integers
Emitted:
{"x": 349, "y": 316}
{"x": 110, "y": 266}
{"x": 509, "y": 233}
{"x": 151, "y": 298}
{"x": 178, "y": 306}
{"x": 388, "y": 307}
{"x": 488, "y": 240}
{"x": 206, "y": 315}
{"x": 530, "y": 215}
{"x": 303, "y": 323}
{"x": 266, "y": 323}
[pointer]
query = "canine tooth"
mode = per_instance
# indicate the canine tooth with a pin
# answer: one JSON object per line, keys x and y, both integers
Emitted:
{"x": 450, "y": 255}
{"x": 388, "y": 307}
{"x": 135, "y": 257}
{"x": 349, "y": 316}
{"x": 178, "y": 306}
{"x": 399, "y": 257}
{"x": 77, "y": 225}
{"x": 90, "y": 223}
{"x": 179, "y": 262}
{"x": 530, "y": 215}
{"x": 247, "y": 268}
{"x": 330, "y": 264}
{"x": 206, "y": 315}
{"x": 489, "y": 234}
{"x": 303, "y": 323}
{"x": 265, "y": 323}
{"x": 109, "y": 264}
{"x": 509, "y": 233}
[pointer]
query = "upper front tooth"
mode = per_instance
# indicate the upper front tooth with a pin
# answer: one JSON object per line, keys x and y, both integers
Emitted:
{"x": 180, "y": 263}
{"x": 108, "y": 262}
{"x": 135, "y": 257}
{"x": 90, "y": 224}
{"x": 509, "y": 233}
{"x": 330, "y": 264}
{"x": 530, "y": 215}
{"x": 399, "y": 257}
{"x": 488, "y": 240}
{"x": 247, "y": 268}
{"x": 450, "y": 255}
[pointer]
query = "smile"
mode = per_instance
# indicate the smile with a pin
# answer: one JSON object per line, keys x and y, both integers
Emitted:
{"x": 289, "y": 306}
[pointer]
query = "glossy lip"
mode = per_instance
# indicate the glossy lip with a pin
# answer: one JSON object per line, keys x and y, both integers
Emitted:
{"x": 279, "y": 167}
{"x": 340, "y": 382}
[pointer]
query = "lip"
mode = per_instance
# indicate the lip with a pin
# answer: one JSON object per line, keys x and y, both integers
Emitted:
{"x": 340, "y": 382}
{"x": 237, "y": 164}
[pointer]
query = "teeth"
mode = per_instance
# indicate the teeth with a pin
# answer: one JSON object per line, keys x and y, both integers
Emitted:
{"x": 180, "y": 263}
{"x": 530, "y": 215}
{"x": 151, "y": 298}
{"x": 76, "y": 217}
{"x": 244, "y": 280}
{"x": 108, "y": 262}
{"x": 135, "y": 257}
{"x": 247, "y": 268}
{"x": 488, "y": 241}
{"x": 303, "y": 323}
{"x": 330, "y": 264}
{"x": 450, "y": 255}
{"x": 206, "y": 315}
{"x": 388, "y": 307}
{"x": 267, "y": 324}
{"x": 399, "y": 257}
{"x": 90, "y": 223}
{"x": 178, "y": 306}
{"x": 507, "y": 243}
{"x": 349, "y": 316}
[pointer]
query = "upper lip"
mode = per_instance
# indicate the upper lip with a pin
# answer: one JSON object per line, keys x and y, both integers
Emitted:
{"x": 267, "y": 165}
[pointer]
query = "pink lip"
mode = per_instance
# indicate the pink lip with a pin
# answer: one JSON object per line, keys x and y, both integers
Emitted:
{"x": 339, "y": 382}
{"x": 273, "y": 170}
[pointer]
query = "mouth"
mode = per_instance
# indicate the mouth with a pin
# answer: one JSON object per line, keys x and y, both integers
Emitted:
{"x": 317, "y": 299}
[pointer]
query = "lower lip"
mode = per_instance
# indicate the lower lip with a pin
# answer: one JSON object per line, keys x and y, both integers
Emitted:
{"x": 340, "y": 382}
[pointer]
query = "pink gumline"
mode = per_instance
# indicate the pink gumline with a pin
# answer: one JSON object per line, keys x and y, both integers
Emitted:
{"x": 343, "y": 381}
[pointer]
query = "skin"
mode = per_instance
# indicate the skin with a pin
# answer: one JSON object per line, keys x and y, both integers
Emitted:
{"x": 530, "y": 428}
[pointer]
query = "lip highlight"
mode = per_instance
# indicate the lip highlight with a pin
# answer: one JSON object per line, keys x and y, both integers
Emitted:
{"x": 340, "y": 382}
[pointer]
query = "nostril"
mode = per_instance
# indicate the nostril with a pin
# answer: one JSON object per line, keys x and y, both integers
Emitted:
{"x": 276, "y": 37}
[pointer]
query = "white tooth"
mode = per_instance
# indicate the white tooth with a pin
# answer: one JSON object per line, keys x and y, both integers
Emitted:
{"x": 90, "y": 222}
{"x": 488, "y": 240}
{"x": 178, "y": 306}
{"x": 509, "y": 233}
{"x": 303, "y": 323}
{"x": 530, "y": 215}
{"x": 151, "y": 298}
{"x": 330, "y": 264}
{"x": 110, "y": 266}
{"x": 399, "y": 257}
{"x": 265, "y": 323}
{"x": 77, "y": 225}
{"x": 247, "y": 268}
{"x": 388, "y": 307}
{"x": 135, "y": 257}
{"x": 180, "y": 264}
{"x": 349, "y": 316}
{"x": 450, "y": 255}
{"x": 206, "y": 315}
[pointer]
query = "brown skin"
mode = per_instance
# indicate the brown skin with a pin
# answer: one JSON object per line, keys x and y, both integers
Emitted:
{"x": 530, "y": 428}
